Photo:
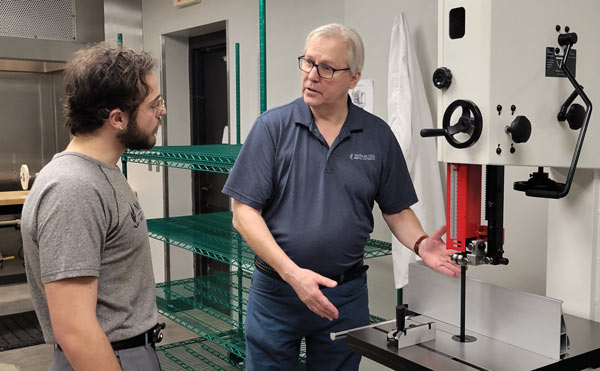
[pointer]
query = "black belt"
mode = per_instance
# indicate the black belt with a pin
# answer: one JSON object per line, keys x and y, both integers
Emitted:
{"x": 152, "y": 336}
{"x": 353, "y": 273}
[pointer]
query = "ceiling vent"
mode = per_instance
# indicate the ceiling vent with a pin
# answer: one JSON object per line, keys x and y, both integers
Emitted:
{"x": 38, "y": 19}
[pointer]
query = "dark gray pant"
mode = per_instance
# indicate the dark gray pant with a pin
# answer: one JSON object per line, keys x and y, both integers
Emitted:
{"x": 277, "y": 320}
{"x": 142, "y": 358}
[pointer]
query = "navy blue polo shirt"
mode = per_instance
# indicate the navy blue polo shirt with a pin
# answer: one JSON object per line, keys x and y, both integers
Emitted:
{"x": 318, "y": 200}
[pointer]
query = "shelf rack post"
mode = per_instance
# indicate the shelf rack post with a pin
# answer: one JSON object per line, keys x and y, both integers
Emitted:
{"x": 237, "y": 94}
{"x": 263, "y": 51}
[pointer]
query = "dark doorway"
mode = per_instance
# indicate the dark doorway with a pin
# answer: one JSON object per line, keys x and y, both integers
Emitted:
{"x": 209, "y": 114}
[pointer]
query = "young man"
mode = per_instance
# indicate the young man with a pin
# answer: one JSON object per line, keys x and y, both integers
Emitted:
{"x": 84, "y": 234}
{"x": 304, "y": 185}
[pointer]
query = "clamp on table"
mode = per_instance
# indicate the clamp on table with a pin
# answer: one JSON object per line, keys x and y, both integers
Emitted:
{"x": 404, "y": 336}
{"x": 414, "y": 333}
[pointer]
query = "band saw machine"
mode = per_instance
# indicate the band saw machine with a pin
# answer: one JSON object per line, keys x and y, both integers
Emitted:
{"x": 515, "y": 81}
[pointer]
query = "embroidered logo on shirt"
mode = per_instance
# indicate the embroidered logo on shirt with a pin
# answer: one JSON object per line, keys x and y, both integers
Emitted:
{"x": 359, "y": 156}
{"x": 136, "y": 214}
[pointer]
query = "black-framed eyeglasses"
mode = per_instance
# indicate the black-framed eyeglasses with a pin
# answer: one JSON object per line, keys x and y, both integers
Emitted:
{"x": 323, "y": 70}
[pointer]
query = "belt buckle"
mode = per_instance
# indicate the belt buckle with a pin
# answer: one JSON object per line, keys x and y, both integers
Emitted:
{"x": 157, "y": 335}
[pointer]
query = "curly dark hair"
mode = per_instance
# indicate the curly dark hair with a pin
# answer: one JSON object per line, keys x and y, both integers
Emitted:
{"x": 101, "y": 78}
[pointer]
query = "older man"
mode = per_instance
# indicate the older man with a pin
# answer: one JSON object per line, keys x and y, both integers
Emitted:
{"x": 84, "y": 234}
{"x": 304, "y": 186}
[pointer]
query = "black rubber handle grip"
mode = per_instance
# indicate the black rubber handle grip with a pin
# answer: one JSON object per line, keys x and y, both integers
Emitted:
{"x": 432, "y": 133}
{"x": 543, "y": 193}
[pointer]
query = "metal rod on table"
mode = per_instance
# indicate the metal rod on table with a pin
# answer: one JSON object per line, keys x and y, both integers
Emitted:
{"x": 342, "y": 334}
{"x": 463, "y": 309}
{"x": 463, "y": 295}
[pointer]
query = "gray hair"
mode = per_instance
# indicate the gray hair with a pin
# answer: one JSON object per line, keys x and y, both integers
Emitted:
{"x": 356, "y": 50}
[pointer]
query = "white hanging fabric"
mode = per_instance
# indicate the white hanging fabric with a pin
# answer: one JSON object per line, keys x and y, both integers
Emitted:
{"x": 408, "y": 113}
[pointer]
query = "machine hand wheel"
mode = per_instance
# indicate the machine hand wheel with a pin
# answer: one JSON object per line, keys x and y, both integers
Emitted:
{"x": 469, "y": 123}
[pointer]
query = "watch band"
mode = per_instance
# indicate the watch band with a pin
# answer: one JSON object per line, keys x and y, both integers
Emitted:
{"x": 418, "y": 244}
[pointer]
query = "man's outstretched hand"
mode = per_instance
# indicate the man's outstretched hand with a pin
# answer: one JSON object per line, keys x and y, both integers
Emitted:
{"x": 434, "y": 253}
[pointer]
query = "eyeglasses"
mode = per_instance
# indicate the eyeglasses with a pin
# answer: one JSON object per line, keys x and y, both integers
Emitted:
{"x": 158, "y": 106}
{"x": 323, "y": 70}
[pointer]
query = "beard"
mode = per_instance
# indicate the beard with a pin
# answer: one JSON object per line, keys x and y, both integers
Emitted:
{"x": 134, "y": 138}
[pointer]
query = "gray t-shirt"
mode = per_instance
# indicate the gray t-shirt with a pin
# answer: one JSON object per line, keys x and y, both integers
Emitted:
{"x": 82, "y": 219}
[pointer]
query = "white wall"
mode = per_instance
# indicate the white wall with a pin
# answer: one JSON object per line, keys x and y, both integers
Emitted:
{"x": 574, "y": 245}
{"x": 287, "y": 24}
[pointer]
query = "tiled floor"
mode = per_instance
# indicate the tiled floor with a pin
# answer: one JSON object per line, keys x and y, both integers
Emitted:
{"x": 37, "y": 358}
{"x": 16, "y": 298}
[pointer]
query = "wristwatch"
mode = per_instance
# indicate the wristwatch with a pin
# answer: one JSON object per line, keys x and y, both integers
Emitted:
{"x": 418, "y": 244}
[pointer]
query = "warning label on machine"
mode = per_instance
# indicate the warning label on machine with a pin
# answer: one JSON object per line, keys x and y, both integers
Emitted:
{"x": 554, "y": 61}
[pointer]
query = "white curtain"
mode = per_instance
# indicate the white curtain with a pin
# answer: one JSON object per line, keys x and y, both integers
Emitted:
{"x": 408, "y": 113}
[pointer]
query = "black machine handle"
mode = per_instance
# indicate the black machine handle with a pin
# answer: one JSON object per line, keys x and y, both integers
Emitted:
{"x": 569, "y": 39}
{"x": 469, "y": 123}
{"x": 432, "y": 132}
{"x": 560, "y": 190}
{"x": 544, "y": 193}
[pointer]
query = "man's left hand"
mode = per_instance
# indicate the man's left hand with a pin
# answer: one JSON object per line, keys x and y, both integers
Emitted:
{"x": 434, "y": 253}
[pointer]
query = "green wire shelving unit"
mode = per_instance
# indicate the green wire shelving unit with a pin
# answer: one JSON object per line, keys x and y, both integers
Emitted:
{"x": 205, "y": 306}
{"x": 214, "y": 158}
{"x": 212, "y": 235}
{"x": 208, "y": 306}
{"x": 193, "y": 355}
{"x": 214, "y": 306}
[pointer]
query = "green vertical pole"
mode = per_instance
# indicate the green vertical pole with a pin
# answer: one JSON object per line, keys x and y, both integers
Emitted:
{"x": 263, "y": 59}
{"x": 399, "y": 297}
{"x": 240, "y": 282}
{"x": 120, "y": 39}
{"x": 237, "y": 94}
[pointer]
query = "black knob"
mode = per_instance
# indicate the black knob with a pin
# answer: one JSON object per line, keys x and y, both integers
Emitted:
{"x": 575, "y": 116}
{"x": 519, "y": 129}
{"x": 567, "y": 39}
{"x": 442, "y": 78}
